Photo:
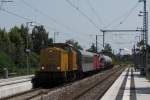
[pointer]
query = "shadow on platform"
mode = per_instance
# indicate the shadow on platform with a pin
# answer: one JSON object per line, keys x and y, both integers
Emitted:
{"x": 145, "y": 90}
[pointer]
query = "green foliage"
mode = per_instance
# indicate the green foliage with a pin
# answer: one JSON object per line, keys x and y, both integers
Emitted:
{"x": 148, "y": 75}
{"x": 6, "y": 60}
{"x": 74, "y": 43}
{"x": 34, "y": 59}
{"x": 12, "y": 49}
{"x": 107, "y": 50}
{"x": 40, "y": 38}
{"x": 24, "y": 34}
{"x": 5, "y": 43}
{"x": 15, "y": 36}
{"x": 141, "y": 43}
{"x": 17, "y": 40}
{"x": 117, "y": 59}
{"x": 50, "y": 41}
{"x": 92, "y": 48}
{"x": 125, "y": 59}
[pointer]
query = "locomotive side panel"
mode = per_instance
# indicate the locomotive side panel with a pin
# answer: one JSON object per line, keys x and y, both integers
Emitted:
{"x": 64, "y": 61}
{"x": 72, "y": 60}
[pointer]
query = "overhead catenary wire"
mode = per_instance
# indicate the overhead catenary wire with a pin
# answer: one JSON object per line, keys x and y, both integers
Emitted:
{"x": 128, "y": 15}
{"x": 38, "y": 23}
{"x": 125, "y": 16}
{"x": 83, "y": 14}
{"x": 49, "y": 17}
{"x": 4, "y": 1}
{"x": 25, "y": 18}
{"x": 125, "y": 42}
{"x": 95, "y": 12}
{"x": 1, "y": 5}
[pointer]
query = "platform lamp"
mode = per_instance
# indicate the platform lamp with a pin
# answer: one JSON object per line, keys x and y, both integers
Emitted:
{"x": 27, "y": 50}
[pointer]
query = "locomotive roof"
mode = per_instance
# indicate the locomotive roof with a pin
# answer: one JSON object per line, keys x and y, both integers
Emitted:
{"x": 55, "y": 48}
{"x": 61, "y": 45}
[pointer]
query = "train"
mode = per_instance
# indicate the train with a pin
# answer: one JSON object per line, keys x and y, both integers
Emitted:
{"x": 61, "y": 62}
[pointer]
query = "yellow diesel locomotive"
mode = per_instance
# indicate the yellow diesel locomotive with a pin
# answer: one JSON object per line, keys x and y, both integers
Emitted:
{"x": 58, "y": 64}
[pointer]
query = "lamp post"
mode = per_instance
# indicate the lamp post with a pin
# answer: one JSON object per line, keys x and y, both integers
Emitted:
{"x": 97, "y": 42}
{"x": 27, "y": 48}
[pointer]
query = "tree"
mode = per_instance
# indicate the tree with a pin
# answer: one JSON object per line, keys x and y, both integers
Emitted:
{"x": 107, "y": 48}
{"x": 39, "y": 38}
{"x": 140, "y": 43}
{"x": 50, "y": 41}
{"x": 92, "y": 48}
{"x": 74, "y": 43}
{"x": 24, "y": 32}
{"x": 15, "y": 36}
{"x": 12, "y": 50}
{"x": 4, "y": 41}
{"x": 17, "y": 40}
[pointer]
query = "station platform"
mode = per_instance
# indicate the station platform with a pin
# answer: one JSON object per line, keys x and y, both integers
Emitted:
{"x": 129, "y": 86}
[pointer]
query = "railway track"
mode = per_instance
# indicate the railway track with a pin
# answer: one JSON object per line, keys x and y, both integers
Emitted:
{"x": 33, "y": 93}
{"x": 26, "y": 95}
{"x": 96, "y": 91}
{"x": 79, "y": 90}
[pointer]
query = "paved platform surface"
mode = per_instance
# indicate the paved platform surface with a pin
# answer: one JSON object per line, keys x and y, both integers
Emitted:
{"x": 15, "y": 85}
{"x": 129, "y": 86}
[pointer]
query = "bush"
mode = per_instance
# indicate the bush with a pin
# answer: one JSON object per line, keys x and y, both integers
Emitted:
{"x": 6, "y": 62}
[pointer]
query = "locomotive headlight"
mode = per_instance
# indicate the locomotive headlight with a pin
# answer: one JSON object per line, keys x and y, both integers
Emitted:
{"x": 58, "y": 68}
{"x": 42, "y": 67}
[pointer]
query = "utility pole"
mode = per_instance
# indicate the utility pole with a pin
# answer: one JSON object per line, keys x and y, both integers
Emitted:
{"x": 145, "y": 36}
{"x": 27, "y": 48}
{"x": 97, "y": 42}
{"x": 145, "y": 26}
{"x": 103, "y": 31}
{"x": 55, "y": 33}
{"x": 103, "y": 39}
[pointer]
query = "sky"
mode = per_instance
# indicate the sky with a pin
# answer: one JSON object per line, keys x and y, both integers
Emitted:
{"x": 80, "y": 20}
